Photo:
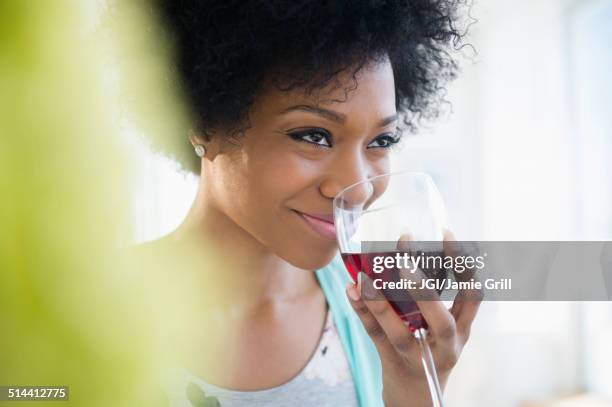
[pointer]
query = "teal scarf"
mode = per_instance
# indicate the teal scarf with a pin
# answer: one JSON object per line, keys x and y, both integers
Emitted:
{"x": 359, "y": 348}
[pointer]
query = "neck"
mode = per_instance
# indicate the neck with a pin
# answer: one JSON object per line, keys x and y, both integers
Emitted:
{"x": 256, "y": 277}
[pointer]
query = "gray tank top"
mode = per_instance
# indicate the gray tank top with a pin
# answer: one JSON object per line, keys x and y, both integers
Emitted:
{"x": 325, "y": 381}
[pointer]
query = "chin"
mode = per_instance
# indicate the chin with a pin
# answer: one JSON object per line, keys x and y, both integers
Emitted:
{"x": 312, "y": 259}
{"x": 303, "y": 248}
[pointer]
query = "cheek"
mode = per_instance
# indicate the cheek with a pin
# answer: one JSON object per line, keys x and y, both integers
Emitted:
{"x": 381, "y": 185}
{"x": 282, "y": 176}
{"x": 274, "y": 185}
{"x": 379, "y": 167}
{"x": 256, "y": 184}
{"x": 381, "y": 164}
{"x": 228, "y": 183}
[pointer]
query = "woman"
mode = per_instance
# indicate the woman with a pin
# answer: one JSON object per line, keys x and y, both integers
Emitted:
{"x": 293, "y": 102}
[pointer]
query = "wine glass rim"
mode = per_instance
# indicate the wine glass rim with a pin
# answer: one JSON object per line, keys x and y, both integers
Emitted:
{"x": 387, "y": 174}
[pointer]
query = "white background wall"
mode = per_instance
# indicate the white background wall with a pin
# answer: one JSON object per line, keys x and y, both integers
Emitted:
{"x": 527, "y": 156}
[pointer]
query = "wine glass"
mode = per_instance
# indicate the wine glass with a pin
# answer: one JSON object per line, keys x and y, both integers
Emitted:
{"x": 388, "y": 214}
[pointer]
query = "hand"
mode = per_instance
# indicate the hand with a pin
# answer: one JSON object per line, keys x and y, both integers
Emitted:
{"x": 404, "y": 382}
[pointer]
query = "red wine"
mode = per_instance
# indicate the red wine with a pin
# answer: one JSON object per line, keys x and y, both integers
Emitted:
{"x": 401, "y": 300}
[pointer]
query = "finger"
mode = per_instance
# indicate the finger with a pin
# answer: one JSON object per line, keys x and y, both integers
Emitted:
{"x": 371, "y": 325}
{"x": 442, "y": 324}
{"x": 451, "y": 247}
{"x": 454, "y": 249}
{"x": 466, "y": 304}
{"x": 403, "y": 243}
{"x": 388, "y": 320}
{"x": 464, "y": 312}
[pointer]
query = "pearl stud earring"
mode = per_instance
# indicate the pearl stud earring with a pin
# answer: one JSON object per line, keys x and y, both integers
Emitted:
{"x": 200, "y": 150}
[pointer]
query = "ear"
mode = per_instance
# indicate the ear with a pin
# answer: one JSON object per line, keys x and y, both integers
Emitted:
{"x": 209, "y": 140}
{"x": 195, "y": 138}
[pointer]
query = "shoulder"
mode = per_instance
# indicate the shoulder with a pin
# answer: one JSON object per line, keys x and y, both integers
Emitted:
{"x": 358, "y": 346}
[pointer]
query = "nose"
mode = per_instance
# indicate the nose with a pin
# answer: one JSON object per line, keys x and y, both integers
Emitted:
{"x": 356, "y": 196}
{"x": 348, "y": 170}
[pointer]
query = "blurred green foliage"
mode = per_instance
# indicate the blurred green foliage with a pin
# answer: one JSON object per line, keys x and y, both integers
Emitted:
{"x": 73, "y": 310}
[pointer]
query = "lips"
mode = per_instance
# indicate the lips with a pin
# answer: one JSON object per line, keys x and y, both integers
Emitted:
{"x": 323, "y": 217}
{"x": 322, "y": 224}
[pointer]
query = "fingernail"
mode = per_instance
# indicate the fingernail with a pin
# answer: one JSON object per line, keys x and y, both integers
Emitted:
{"x": 353, "y": 293}
{"x": 362, "y": 277}
{"x": 365, "y": 286}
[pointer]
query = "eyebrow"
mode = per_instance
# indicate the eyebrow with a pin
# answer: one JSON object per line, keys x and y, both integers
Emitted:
{"x": 332, "y": 115}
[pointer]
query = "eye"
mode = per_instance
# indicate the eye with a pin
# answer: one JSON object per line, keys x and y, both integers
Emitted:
{"x": 318, "y": 137}
{"x": 386, "y": 140}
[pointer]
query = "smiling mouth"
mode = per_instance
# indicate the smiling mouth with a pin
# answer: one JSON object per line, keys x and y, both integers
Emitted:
{"x": 323, "y": 225}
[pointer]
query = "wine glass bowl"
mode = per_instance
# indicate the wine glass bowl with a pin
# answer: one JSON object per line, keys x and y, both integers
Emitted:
{"x": 387, "y": 215}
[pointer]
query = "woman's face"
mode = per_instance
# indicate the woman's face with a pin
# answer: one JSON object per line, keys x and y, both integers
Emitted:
{"x": 278, "y": 182}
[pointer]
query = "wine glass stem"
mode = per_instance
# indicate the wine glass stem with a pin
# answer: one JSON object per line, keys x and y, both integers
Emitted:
{"x": 430, "y": 368}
